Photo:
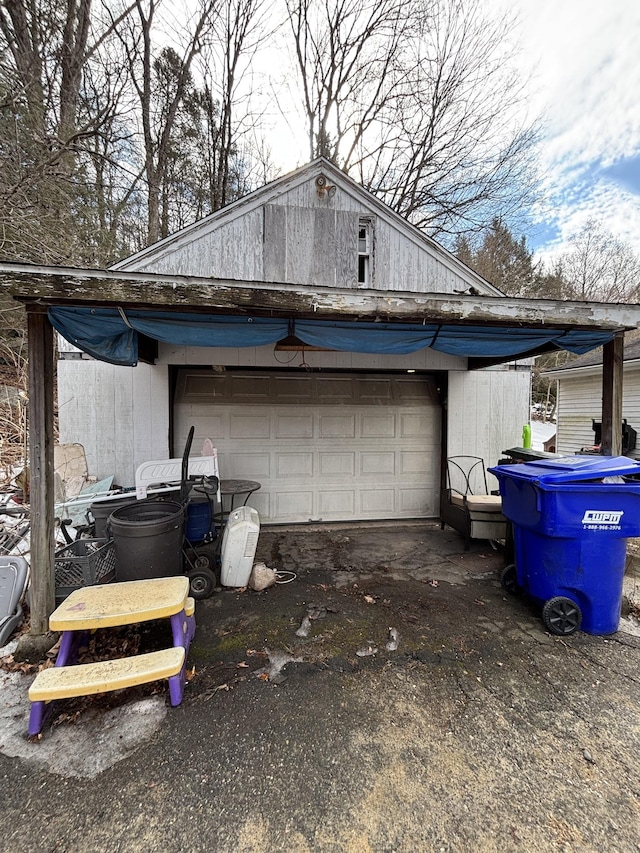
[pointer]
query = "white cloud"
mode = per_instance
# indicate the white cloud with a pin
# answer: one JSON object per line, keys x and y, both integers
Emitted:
{"x": 586, "y": 79}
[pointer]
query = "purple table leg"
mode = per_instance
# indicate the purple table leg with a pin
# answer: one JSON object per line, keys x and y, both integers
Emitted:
{"x": 36, "y": 718}
{"x": 183, "y": 628}
{"x": 67, "y": 653}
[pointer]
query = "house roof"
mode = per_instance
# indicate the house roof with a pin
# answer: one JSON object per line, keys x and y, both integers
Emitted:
{"x": 153, "y": 255}
{"x": 108, "y": 312}
{"x": 594, "y": 358}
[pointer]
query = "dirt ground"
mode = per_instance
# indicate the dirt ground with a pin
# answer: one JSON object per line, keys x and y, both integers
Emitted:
{"x": 479, "y": 732}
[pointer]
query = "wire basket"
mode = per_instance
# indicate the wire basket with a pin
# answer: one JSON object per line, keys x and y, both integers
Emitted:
{"x": 84, "y": 562}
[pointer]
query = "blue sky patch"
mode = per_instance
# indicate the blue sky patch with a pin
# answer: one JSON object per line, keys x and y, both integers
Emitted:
{"x": 626, "y": 173}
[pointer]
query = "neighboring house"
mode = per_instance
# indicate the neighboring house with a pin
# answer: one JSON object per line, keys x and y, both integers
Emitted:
{"x": 580, "y": 397}
{"x": 331, "y": 433}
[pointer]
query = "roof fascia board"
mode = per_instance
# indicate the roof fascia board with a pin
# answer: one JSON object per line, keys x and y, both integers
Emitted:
{"x": 50, "y": 285}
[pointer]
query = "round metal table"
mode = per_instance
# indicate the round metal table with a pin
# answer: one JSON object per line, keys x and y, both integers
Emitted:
{"x": 234, "y": 490}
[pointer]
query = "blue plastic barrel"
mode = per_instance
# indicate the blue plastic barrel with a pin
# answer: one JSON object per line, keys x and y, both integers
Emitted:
{"x": 198, "y": 522}
{"x": 571, "y": 518}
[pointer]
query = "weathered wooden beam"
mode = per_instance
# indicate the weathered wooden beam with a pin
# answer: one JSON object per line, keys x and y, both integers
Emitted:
{"x": 41, "y": 489}
{"x": 72, "y": 286}
{"x": 612, "y": 380}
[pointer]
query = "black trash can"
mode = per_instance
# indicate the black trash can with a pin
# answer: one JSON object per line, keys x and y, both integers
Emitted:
{"x": 147, "y": 538}
{"x": 102, "y": 508}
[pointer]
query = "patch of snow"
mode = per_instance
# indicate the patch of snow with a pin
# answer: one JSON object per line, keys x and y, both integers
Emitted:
{"x": 541, "y": 432}
{"x": 83, "y": 749}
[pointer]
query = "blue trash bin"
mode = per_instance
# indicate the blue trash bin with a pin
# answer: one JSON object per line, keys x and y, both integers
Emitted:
{"x": 571, "y": 518}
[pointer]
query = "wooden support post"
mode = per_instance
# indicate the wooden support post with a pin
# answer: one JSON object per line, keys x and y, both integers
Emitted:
{"x": 40, "y": 338}
{"x": 612, "y": 363}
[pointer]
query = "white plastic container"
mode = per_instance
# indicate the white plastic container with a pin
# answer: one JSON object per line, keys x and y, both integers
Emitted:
{"x": 239, "y": 544}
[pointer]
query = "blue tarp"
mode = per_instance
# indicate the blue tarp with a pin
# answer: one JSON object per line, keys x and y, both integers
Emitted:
{"x": 111, "y": 334}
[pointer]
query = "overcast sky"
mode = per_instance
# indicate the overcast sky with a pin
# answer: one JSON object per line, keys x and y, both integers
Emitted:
{"x": 585, "y": 59}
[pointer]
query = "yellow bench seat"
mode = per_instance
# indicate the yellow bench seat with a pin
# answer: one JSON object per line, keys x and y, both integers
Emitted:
{"x": 85, "y": 679}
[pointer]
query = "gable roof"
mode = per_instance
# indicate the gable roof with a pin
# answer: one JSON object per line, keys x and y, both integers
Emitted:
{"x": 148, "y": 257}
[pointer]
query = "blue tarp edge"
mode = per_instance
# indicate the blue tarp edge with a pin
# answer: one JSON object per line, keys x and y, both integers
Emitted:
{"x": 110, "y": 334}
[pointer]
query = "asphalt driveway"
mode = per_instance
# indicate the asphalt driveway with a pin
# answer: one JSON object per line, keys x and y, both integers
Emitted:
{"x": 419, "y": 708}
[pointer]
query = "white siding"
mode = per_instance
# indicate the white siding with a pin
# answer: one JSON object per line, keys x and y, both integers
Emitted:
{"x": 295, "y": 236}
{"x": 486, "y": 412}
{"x": 424, "y": 359}
{"x": 119, "y": 414}
{"x": 580, "y": 403}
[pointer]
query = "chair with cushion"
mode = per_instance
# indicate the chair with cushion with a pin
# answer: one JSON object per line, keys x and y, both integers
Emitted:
{"x": 465, "y": 502}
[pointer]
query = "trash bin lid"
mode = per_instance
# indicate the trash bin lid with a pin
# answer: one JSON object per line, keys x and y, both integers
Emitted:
{"x": 570, "y": 469}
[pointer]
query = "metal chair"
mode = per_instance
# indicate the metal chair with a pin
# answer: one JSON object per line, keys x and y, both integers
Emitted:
{"x": 465, "y": 502}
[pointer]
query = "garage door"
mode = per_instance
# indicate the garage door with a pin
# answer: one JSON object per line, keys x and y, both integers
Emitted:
{"x": 325, "y": 447}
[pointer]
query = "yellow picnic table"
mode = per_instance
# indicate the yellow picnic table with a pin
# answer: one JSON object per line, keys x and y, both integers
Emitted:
{"x": 108, "y": 606}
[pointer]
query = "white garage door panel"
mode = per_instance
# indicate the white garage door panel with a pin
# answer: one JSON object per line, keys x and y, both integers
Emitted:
{"x": 414, "y": 462}
{"x": 332, "y": 464}
{"x": 244, "y": 425}
{"x": 294, "y": 465}
{"x": 337, "y": 426}
{"x": 378, "y": 501}
{"x": 248, "y": 466}
{"x": 293, "y": 426}
{"x": 413, "y": 500}
{"x": 376, "y": 463}
{"x": 414, "y": 426}
{"x": 378, "y": 426}
{"x": 292, "y": 506}
{"x": 336, "y": 504}
{"x": 335, "y": 448}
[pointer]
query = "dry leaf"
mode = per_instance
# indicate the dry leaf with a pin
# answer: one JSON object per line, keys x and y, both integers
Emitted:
{"x": 242, "y": 665}
{"x": 369, "y": 599}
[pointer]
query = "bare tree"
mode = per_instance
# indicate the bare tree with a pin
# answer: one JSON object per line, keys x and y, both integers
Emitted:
{"x": 46, "y": 124}
{"x": 600, "y": 267}
{"x": 241, "y": 29}
{"x": 419, "y": 100}
{"x": 348, "y": 54}
{"x": 159, "y": 118}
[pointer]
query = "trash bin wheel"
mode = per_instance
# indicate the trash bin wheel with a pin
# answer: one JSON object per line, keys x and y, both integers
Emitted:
{"x": 509, "y": 579}
{"x": 202, "y": 582}
{"x": 561, "y": 616}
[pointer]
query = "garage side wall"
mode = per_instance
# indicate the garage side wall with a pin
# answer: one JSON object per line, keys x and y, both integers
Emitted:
{"x": 120, "y": 415}
{"x": 486, "y": 412}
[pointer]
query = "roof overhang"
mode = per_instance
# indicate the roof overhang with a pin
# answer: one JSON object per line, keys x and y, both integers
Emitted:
{"x": 568, "y": 372}
{"x": 47, "y": 286}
